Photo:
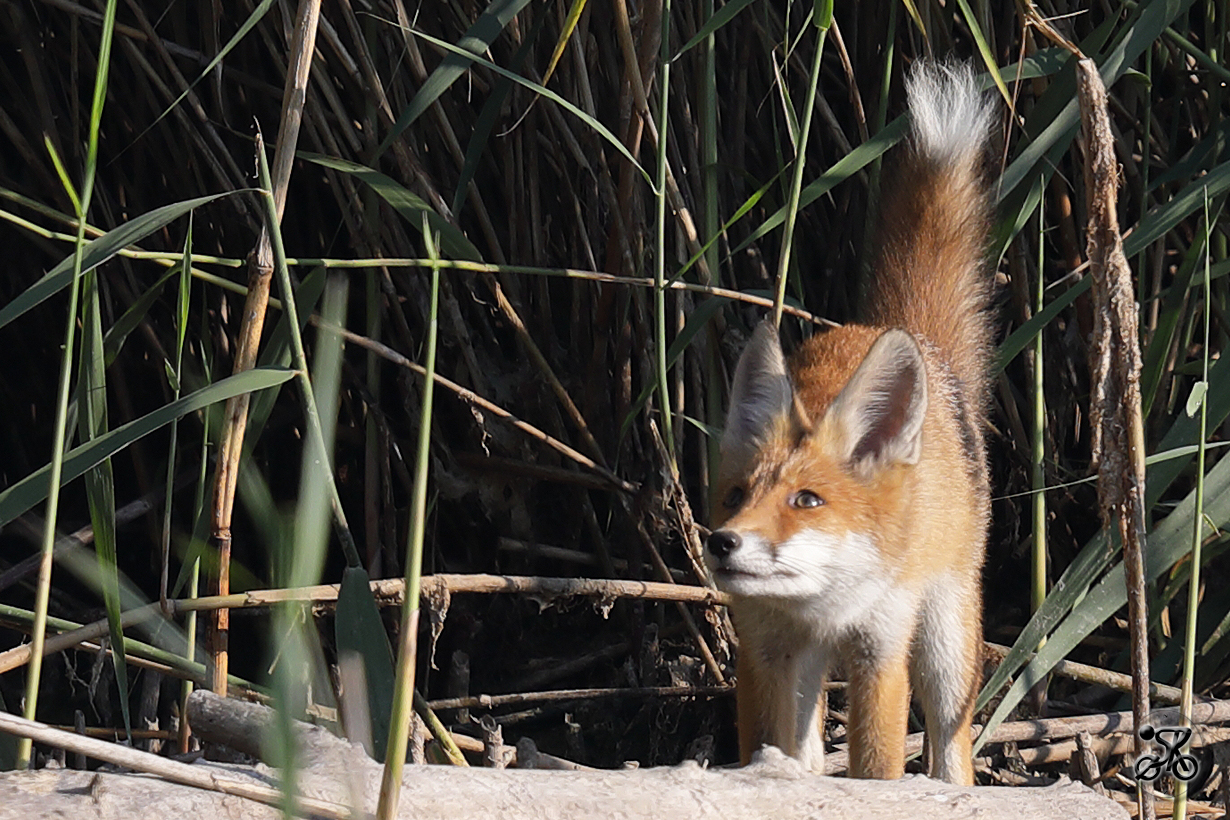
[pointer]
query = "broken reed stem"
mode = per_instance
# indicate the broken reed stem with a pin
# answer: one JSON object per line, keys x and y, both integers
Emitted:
{"x": 1114, "y": 405}
{"x": 226, "y": 478}
{"x": 557, "y": 695}
{"x": 391, "y": 591}
{"x": 294, "y": 95}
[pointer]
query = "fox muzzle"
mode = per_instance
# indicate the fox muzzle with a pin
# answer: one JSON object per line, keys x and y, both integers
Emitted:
{"x": 722, "y": 543}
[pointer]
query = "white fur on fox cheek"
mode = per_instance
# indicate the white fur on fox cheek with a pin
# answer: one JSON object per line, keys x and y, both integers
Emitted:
{"x": 809, "y": 564}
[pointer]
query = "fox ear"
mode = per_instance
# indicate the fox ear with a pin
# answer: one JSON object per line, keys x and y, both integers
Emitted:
{"x": 761, "y": 392}
{"x": 880, "y": 411}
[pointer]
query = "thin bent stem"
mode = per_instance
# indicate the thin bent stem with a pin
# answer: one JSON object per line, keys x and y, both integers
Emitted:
{"x": 659, "y": 290}
{"x": 708, "y": 158}
{"x": 299, "y": 357}
{"x": 796, "y": 183}
{"x": 42, "y": 596}
{"x": 1193, "y": 584}
{"x": 1039, "y": 436}
{"x": 82, "y": 203}
{"x": 403, "y": 691}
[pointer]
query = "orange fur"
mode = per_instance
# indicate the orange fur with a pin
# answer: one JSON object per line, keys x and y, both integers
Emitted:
{"x": 852, "y": 500}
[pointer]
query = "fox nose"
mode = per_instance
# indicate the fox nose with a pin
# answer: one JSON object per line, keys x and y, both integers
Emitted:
{"x": 723, "y": 542}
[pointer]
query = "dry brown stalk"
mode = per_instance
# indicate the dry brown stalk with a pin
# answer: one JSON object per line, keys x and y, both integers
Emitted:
{"x": 1118, "y": 446}
{"x": 391, "y": 591}
{"x": 1102, "y": 677}
{"x": 260, "y": 276}
{"x": 518, "y": 698}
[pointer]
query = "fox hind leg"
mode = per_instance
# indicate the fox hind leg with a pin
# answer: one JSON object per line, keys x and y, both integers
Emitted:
{"x": 946, "y": 673}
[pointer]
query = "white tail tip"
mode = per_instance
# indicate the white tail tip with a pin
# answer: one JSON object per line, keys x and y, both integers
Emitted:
{"x": 950, "y": 116}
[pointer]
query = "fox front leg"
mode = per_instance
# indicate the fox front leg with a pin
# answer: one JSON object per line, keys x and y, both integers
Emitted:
{"x": 879, "y": 694}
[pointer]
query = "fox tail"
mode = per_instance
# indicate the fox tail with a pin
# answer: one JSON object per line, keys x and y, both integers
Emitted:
{"x": 929, "y": 275}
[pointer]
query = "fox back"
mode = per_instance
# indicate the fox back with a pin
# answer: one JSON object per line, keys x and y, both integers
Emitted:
{"x": 852, "y": 500}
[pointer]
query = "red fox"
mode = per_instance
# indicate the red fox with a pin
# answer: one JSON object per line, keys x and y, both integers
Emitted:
{"x": 852, "y": 500}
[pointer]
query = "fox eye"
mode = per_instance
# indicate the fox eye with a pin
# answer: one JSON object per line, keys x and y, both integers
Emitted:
{"x": 733, "y": 498}
{"x": 806, "y": 500}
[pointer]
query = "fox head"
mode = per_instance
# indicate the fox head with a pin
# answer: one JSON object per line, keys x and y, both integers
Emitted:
{"x": 815, "y": 469}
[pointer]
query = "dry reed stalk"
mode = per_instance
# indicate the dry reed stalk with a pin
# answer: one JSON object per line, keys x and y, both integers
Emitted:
{"x": 1118, "y": 446}
{"x": 521, "y": 698}
{"x": 1099, "y": 676}
{"x": 391, "y": 591}
{"x": 260, "y": 276}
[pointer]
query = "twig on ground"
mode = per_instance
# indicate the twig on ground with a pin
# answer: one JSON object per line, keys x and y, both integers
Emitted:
{"x": 172, "y": 770}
